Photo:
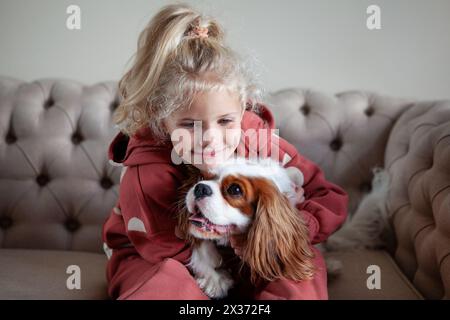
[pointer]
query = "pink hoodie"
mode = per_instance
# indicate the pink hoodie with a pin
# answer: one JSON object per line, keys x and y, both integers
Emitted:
{"x": 143, "y": 221}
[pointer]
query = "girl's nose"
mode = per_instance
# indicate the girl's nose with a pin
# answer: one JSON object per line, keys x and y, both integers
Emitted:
{"x": 211, "y": 137}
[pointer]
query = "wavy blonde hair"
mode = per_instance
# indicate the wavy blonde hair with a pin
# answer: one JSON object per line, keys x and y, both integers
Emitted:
{"x": 170, "y": 66}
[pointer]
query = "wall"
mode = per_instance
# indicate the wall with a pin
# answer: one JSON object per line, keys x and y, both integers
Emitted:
{"x": 319, "y": 44}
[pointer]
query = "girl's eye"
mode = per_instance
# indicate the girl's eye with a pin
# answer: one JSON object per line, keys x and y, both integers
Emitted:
{"x": 187, "y": 125}
{"x": 234, "y": 190}
{"x": 225, "y": 121}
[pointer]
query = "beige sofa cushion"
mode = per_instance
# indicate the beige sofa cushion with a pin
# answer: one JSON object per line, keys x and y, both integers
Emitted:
{"x": 351, "y": 282}
{"x": 41, "y": 274}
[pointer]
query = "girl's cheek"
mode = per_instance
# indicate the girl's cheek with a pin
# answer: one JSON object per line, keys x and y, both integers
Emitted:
{"x": 183, "y": 144}
{"x": 236, "y": 136}
{"x": 232, "y": 134}
{"x": 189, "y": 145}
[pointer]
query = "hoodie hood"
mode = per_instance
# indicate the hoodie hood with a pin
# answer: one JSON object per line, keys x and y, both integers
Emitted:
{"x": 143, "y": 148}
{"x": 263, "y": 119}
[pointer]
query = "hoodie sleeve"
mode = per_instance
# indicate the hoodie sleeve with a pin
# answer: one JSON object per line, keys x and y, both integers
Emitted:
{"x": 148, "y": 209}
{"x": 325, "y": 205}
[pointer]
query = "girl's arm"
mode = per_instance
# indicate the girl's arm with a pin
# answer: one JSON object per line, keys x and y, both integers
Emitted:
{"x": 147, "y": 215}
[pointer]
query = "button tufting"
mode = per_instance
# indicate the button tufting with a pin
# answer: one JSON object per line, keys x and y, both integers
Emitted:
{"x": 369, "y": 111}
{"x": 49, "y": 103}
{"x": 5, "y": 222}
{"x": 113, "y": 106}
{"x": 72, "y": 224}
{"x": 431, "y": 164}
{"x": 106, "y": 183}
{"x": 77, "y": 138}
{"x": 10, "y": 138}
{"x": 305, "y": 109}
{"x": 42, "y": 179}
{"x": 365, "y": 187}
{"x": 336, "y": 144}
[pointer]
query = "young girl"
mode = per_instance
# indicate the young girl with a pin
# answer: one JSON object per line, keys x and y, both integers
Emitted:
{"x": 184, "y": 78}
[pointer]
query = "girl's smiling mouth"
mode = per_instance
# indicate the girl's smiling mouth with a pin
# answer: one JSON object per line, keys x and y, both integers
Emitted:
{"x": 208, "y": 154}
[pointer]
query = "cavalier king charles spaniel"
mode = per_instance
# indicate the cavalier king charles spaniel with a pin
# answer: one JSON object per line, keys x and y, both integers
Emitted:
{"x": 253, "y": 197}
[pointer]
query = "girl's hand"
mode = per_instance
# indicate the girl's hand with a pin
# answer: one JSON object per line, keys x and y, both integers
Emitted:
{"x": 300, "y": 194}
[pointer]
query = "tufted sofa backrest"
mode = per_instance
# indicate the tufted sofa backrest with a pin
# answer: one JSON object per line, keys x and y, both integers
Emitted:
{"x": 349, "y": 133}
{"x": 56, "y": 184}
{"x": 345, "y": 134}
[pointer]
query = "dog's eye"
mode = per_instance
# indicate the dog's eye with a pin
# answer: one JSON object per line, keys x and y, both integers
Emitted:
{"x": 234, "y": 190}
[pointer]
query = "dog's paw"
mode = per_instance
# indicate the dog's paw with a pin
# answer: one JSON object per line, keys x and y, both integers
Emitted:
{"x": 216, "y": 284}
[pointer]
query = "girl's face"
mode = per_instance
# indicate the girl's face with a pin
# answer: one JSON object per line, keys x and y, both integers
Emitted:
{"x": 209, "y": 131}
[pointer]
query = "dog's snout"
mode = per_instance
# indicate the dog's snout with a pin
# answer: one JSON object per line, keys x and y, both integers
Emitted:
{"x": 202, "y": 190}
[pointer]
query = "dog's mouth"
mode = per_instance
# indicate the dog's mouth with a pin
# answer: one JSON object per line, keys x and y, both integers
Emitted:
{"x": 200, "y": 221}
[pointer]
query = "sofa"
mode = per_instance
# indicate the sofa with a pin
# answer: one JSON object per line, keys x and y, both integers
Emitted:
{"x": 57, "y": 186}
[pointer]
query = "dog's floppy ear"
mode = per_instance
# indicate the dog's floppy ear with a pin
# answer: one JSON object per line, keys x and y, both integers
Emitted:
{"x": 191, "y": 176}
{"x": 277, "y": 240}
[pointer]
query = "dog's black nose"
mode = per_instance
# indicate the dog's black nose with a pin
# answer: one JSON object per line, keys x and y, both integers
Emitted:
{"x": 202, "y": 190}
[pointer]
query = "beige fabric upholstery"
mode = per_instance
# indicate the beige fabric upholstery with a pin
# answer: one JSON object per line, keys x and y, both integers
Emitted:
{"x": 418, "y": 158}
{"x": 351, "y": 284}
{"x": 57, "y": 186}
{"x": 345, "y": 134}
{"x": 349, "y": 133}
{"x": 42, "y": 274}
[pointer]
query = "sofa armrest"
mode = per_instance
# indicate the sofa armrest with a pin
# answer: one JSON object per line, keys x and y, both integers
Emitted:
{"x": 418, "y": 161}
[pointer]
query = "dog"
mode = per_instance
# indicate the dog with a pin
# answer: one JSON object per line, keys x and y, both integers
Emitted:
{"x": 253, "y": 197}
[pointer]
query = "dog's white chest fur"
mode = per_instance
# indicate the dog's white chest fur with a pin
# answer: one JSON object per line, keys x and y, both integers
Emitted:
{"x": 205, "y": 261}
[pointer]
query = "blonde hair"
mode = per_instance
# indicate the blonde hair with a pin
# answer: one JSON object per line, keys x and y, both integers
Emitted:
{"x": 170, "y": 66}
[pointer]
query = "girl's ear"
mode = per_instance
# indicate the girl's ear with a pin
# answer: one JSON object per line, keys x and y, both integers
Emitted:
{"x": 164, "y": 127}
{"x": 277, "y": 241}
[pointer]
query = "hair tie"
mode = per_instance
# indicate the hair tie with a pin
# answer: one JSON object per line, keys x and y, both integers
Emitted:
{"x": 198, "y": 32}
